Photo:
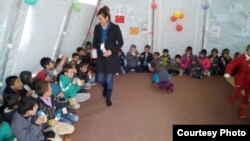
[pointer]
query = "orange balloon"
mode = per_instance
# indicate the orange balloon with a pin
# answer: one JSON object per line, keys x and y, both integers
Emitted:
{"x": 181, "y": 16}
{"x": 179, "y": 27}
{"x": 173, "y": 18}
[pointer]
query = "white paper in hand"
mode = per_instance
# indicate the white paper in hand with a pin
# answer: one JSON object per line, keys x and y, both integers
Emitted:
{"x": 26, "y": 87}
{"x": 103, "y": 48}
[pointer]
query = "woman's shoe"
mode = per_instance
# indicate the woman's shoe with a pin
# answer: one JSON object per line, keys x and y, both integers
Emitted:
{"x": 108, "y": 103}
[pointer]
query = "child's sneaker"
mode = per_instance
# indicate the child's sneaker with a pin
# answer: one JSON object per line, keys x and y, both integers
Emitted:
{"x": 75, "y": 106}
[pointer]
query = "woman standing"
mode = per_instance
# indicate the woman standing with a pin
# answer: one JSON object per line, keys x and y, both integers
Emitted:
{"x": 108, "y": 41}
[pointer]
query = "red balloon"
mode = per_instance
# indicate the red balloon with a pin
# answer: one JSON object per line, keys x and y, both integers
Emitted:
{"x": 179, "y": 27}
{"x": 153, "y": 5}
{"x": 173, "y": 18}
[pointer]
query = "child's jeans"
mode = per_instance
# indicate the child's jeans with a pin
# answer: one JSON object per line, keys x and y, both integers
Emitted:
{"x": 89, "y": 83}
{"x": 69, "y": 118}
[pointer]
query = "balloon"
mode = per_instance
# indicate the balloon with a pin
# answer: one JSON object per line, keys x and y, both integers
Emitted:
{"x": 30, "y": 2}
{"x": 179, "y": 27}
{"x": 173, "y": 18}
{"x": 77, "y": 7}
{"x": 177, "y": 13}
{"x": 205, "y": 6}
{"x": 153, "y": 5}
{"x": 181, "y": 16}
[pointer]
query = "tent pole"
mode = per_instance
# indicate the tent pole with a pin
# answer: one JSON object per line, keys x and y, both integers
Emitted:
{"x": 63, "y": 32}
{"x": 85, "y": 38}
{"x": 152, "y": 28}
{"x": 204, "y": 27}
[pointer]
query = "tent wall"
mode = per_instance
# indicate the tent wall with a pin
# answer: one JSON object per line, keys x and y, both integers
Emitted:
{"x": 51, "y": 28}
{"x": 47, "y": 29}
{"x": 165, "y": 33}
{"x": 228, "y": 25}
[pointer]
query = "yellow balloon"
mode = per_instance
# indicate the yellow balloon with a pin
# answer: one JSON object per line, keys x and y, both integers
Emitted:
{"x": 177, "y": 13}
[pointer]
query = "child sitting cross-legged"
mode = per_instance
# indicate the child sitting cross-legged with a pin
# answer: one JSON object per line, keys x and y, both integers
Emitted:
{"x": 84, "y": 73}
{"x": 49, "y": 104}
{"x": 195, "y": 68}
{"x": 71, "y": 85}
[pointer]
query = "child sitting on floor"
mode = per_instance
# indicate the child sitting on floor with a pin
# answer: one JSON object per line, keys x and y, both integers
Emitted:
{"x": 84, "y": 73}
{"x": 71, "y": 86}
{"x": 174, "y": 67}
{"x": 195, "y": 68}
{"x": 205, "y": 62}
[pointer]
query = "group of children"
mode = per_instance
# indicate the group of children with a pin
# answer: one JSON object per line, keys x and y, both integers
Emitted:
{"x": 197, "y": 66}
{"x": 42, "y": 108}
{"x": 39, "y": 108}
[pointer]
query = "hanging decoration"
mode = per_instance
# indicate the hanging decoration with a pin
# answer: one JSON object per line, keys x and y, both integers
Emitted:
{"x": 179, "y": 27}
{"x": 77, "y": 7}
{"x": 177, "y": 13}
{"x": 173, "y": 18}
{"x": 181, "y": 16}
{"x": 153, "y": 5}
{"x": 205, "y": 5}
{"x": 30, "y": 2}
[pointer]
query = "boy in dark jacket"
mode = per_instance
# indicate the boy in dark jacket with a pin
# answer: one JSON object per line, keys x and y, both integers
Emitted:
{"x": 195, "y": 68}
{"x": 49, "y": 105}
{"x": 145, "y": 58}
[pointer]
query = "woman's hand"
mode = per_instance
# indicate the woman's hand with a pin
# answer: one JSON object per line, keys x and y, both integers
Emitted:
{"x": 107, "y": 53}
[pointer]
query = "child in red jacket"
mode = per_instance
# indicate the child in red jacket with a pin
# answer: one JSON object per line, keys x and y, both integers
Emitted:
{"x": 205, "y": 62}
{"x": 241, "y": 80}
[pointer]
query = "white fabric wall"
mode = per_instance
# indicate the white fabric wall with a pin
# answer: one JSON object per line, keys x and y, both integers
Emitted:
{"x": 165, "y": 34}
{"x": 228, "y": 25}
{"x": 38, "y": 31}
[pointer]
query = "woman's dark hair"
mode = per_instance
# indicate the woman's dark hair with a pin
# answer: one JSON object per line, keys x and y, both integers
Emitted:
{"x": 104, "y": 11}
{"x": 10, "y": 80}
{"x": 41, "y": 87}
{"x": 26, "y": 104}
{"x": 25, "y": 77}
